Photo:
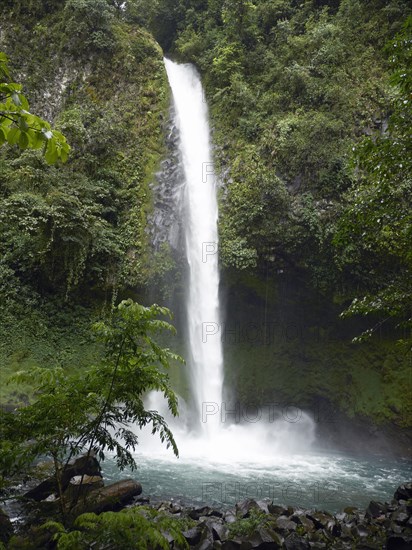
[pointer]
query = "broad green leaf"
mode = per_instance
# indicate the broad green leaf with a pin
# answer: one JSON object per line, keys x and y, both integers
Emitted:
{"x": 23, "y": 140}
{"x": 23, "y": 102}
{"x": 51, "y": 154}
{"x": 16, "y": 98}
{"x": 23, "y": 124}
{"x": 63, "y": 155}
{"x": 36, "y": 139}
{"x": 31, "y": 131}
{"x": 13, "y": 136}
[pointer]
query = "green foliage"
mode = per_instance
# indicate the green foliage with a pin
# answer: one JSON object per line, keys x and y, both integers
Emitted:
{"x": 97, "y": 407}
{"x": 79, "y": 232}
{"x": 88, "y": 26}
{"x": 254, "y": 198}
{"x": 293, "y": 149}
{"x": 56, "y": 235}
{"x": 20, "y": 127}
{"x": 141, "y": 12}
{"x": 297, "y": 84}
{"x": 244, "y": 527}
{"x": 375, "y": 229}
{"x": 140, "y": 528}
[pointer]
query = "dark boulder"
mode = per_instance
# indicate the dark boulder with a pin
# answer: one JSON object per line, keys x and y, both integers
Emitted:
{"x": 206, "y": 538}
{"x": 401, "y": 516}
{"x": 375, "y": 509}
{"x": 307, "y": 523}
{"x": 399, "y": 542}
{"x": 43, "y": 490}
{"x": 284, "y": 524}
{"x": 219, "y": 530}
{"x": 230, "y": 517}
{"x": 264, "y": 539}
{"x": 346, "y": 532}
{"x": 244, "y": 507}
{"x": 6, "y": 527}
{"x": 263, "y": 505}
{"x": 295, "y": 542}
{"x": 83, "y": 465}
{"x": 110, "y": 498}
{"x": 192, "y": 535}
{"x": 403, "y": 492}
{"x": 196, "y": 513}
{"x": 276, "y": 510}
{"x": 350, "y": 510}
{"x": 231, "y": 545}
{"x": 360, "y": 531}
{"x": 79, "y": 486}
{"x": 320, "y": 519}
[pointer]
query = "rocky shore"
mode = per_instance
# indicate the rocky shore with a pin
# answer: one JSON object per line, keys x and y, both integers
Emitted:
{"x": 263, "y": 525}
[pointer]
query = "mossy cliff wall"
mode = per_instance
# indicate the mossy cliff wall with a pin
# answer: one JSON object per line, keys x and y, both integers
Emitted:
{"x": 286, "y": 344}
{"x": 74, "y": 237}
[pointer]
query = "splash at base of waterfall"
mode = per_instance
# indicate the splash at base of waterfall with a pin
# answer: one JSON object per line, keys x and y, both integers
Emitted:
{"x": 259, "y": 442}
{"x": 277, "y": 461}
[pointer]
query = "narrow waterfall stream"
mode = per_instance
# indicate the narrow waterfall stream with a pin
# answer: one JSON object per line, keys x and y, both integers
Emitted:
{"x": 200, "y": 227}
{"x": 225, "y": 457}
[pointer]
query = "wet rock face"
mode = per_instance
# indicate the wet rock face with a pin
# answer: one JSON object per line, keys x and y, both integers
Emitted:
{"x": 262, "y": 525}
{"x": 166, "y": 220}
{"x": 82, "y": 485}
{"x": 404, "y": 492}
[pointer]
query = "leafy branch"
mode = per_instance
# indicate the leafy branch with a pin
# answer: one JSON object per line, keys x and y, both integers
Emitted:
{"x": 98, "y": 408}
{"x": 20, "y": 127}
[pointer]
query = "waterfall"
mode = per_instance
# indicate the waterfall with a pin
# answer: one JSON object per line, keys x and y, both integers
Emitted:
{"x": 201, "y": 238}
{"x": 220, "y": 435}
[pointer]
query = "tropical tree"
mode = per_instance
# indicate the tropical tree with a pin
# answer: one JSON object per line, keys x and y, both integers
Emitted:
{"x": 95, "y": 410}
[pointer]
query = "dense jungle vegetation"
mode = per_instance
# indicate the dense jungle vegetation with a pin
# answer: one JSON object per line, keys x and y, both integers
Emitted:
{"x": 310, "y": 106}
{"x": 311, "y": 110}
{"x": 294, "y": 88}
{"x": 73, "y": 235}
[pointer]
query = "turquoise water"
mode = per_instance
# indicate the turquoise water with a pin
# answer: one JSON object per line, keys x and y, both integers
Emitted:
{"x": 314, "y": 480}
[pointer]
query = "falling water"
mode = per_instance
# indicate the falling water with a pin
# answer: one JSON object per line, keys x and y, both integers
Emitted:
{"x": 200, "y": 226}
{"x": 216, "y": 437}
{"x": 215, "y": 433}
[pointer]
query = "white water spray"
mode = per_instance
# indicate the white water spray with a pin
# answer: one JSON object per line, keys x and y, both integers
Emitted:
{"x": 200, "y": 227}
